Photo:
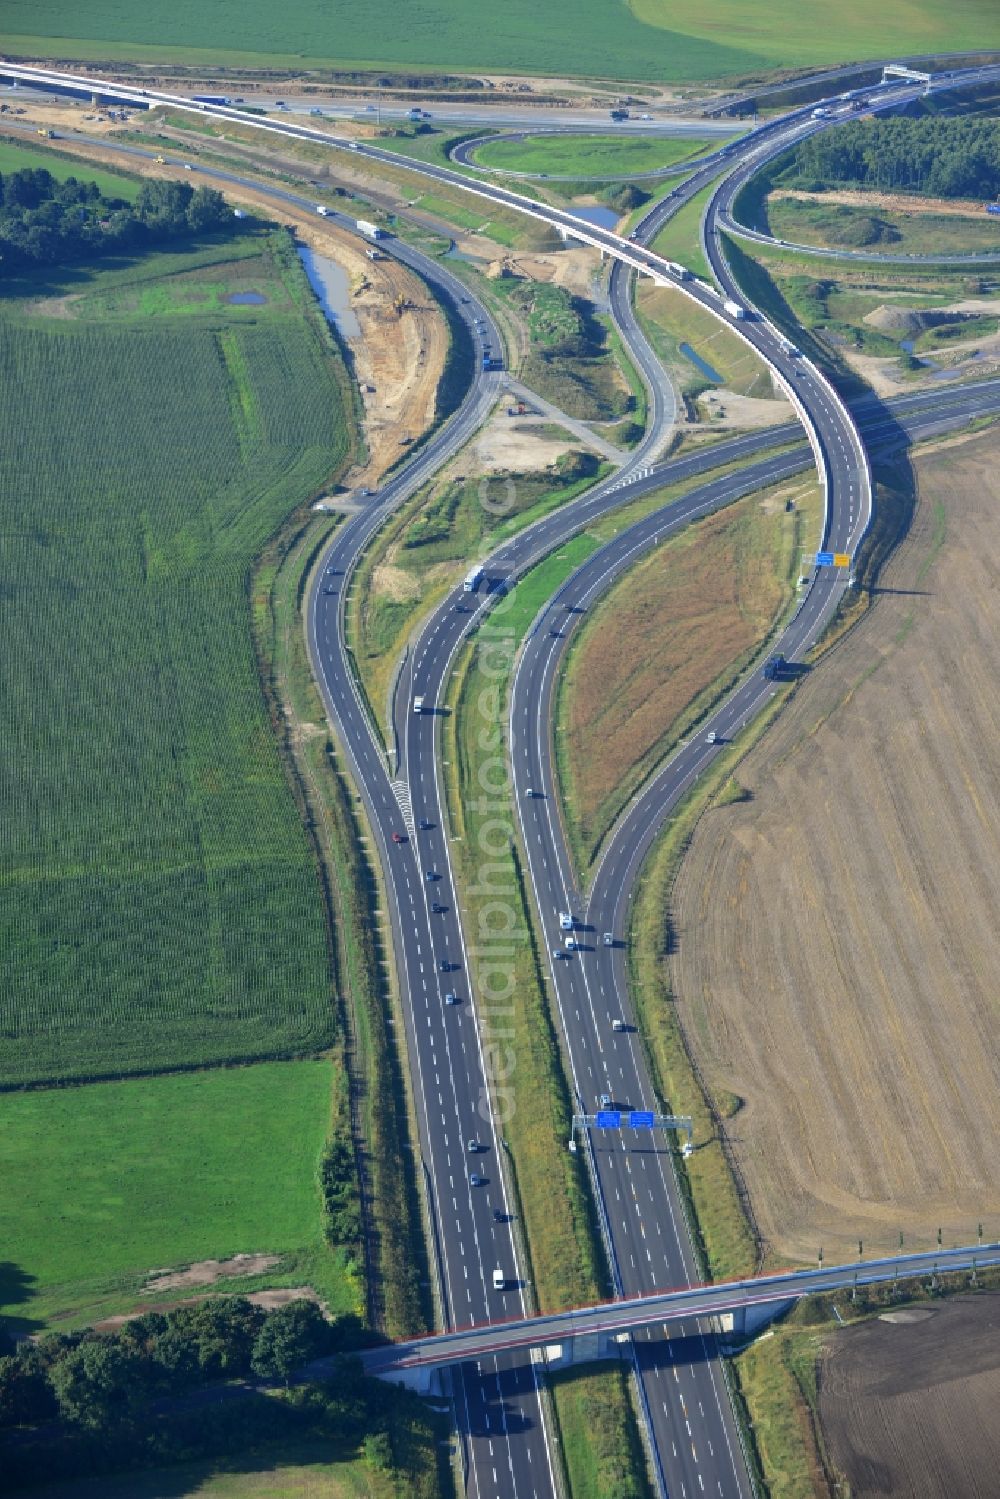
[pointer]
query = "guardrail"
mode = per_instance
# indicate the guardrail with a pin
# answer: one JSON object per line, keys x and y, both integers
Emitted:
{"x": 670, "y": 1306}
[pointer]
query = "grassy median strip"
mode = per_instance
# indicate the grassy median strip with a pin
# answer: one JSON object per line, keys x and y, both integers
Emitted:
{"x": 680, "y": 237}
{"x": 529, "y": 1088}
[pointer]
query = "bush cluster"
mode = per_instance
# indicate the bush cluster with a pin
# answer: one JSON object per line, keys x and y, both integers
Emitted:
{"x": 82, "y": 1403}
{"x": 47, "y": 222}
{"x": 101, "y": 1381}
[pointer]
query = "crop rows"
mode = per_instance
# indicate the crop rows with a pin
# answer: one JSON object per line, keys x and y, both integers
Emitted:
{"x": 158, "y": 901}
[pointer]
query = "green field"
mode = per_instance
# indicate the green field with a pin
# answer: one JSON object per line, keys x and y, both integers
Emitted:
{"x": 107, "y": 1182}
{"x": 16, "y": 158}
{"x": 159, "y": 902}
{"x": 589, "y": 155}
{"x": 662, "y": 40}
{"x": 298, "y": 1470}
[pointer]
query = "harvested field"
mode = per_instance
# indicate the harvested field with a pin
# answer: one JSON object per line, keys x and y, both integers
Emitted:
{"x": 837, "y": 950}
{"x": 662, "y": 635}
{"x": 909, "y": 1407}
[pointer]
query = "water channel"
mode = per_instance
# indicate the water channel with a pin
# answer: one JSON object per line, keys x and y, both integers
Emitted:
{"x": 329, "y": 281}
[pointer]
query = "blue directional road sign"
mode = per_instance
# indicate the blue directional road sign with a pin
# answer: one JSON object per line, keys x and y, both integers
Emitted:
{"x": 609, "y": 1119}
{"x": 640, "y": 1119}
{"x": 824, "y": 559}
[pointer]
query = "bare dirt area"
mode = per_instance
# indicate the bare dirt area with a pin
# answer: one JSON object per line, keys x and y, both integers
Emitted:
{"x": 726, "y": 410}
{"x": 521, "y": 445}
{"x": 207, "y": 1272}
{"x": 268, "y": 1300}
{"x": 961, "y": 208}
{"x": 575, "y": 268}
{"x": 837, "y": 950}
{"x": 909, "y": 1408}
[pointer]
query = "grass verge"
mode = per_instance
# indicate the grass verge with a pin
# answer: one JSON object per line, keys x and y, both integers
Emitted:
{"x": 392, "y": 1235}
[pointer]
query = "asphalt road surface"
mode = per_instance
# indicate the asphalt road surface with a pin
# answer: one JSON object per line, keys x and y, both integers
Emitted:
{"x": 500, "y": 1412}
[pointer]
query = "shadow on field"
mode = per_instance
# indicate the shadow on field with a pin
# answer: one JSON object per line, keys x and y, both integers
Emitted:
{"x": 15, "y": 1289}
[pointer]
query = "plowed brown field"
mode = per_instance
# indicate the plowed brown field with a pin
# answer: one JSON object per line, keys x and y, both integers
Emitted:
{"x": 838, "y": 946}
{"x": 909, "y": 1408}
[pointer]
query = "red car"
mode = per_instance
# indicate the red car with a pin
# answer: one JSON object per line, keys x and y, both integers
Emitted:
{"x": 398, "y": 838}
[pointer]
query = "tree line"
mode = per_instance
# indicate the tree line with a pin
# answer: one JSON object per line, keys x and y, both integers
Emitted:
{"x": 940, "y": 157}
{"x": 44, "y": 221}
{"x": 84, "y": 1402}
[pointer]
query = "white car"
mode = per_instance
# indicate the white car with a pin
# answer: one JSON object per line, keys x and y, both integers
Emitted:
{"x": 565, "y": 921}
{"x": 570, "y": 944}
{"x": 711, "y": 737}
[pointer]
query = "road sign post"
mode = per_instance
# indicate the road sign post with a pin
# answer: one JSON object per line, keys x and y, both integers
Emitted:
{"x": 634, "y": 1119}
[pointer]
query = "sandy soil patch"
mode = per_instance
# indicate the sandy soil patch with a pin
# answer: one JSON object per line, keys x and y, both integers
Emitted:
{"x": 725, "y": 408}
{"x": 515, "y": 444}
{"x": 838, "y": 954}
{"x": 960, "y": 208}
{"x": 912, "y": 1409}
{"x": 207, "y": 1272}
{"x": 574, "y": 268}
{"x": 977, "y": 356}
{"x": 279, "y": 1296}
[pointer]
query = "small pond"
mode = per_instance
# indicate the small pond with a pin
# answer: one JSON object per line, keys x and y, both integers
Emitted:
{"x": 604, "y": 218}
{"x": 701, "y": 364}
{"x": 329, "y": 281}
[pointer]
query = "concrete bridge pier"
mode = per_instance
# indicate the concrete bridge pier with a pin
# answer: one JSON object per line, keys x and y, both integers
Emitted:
{"x": 420, "y": 1380}
{"x": 743, "y": 1323}
{"x": 586, "y": 1348}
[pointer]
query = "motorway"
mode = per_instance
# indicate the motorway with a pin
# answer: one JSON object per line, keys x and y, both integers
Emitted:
{"x": 647, "y": 1238}
{"x": 500, "y": 1411}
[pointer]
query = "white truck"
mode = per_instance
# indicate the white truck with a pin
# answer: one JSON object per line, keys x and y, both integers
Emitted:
{"x": 498, "y": 1280}
{"x": 374, "y": 254}
{"x": 418, "y": 705}
{"x": 735, "y": 309}
{"x": 822, "y": 113}
{"x": 473, "y": 578}
{"x": 370, "y": 230}
{"x": 322, "y": 210}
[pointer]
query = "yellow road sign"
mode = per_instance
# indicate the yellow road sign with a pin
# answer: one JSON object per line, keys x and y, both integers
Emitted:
{"x": 841, "y": 559}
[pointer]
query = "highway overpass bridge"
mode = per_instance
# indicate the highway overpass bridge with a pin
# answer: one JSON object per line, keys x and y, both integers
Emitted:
{"x": 741, "y": 1305}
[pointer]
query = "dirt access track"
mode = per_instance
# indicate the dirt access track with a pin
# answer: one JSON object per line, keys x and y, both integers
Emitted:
{"x": 837, "y": 959}
{"x": 908, "y": 1402}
